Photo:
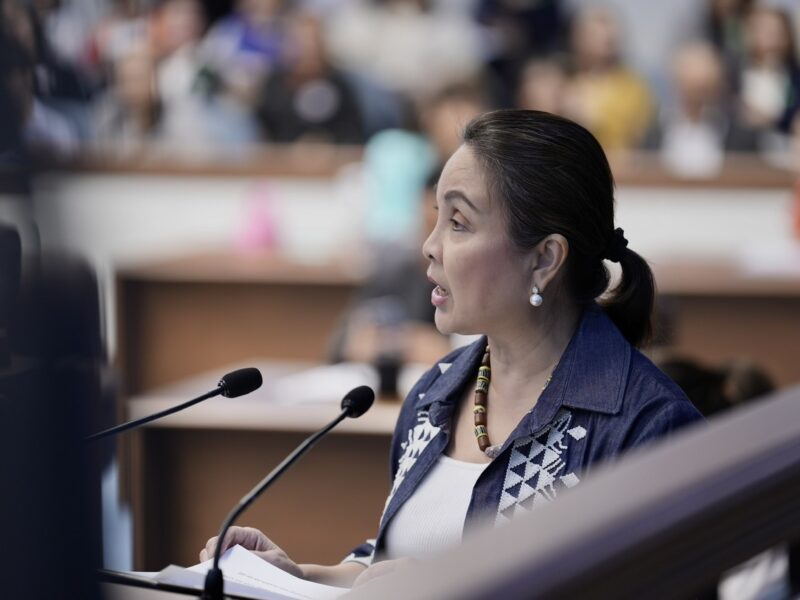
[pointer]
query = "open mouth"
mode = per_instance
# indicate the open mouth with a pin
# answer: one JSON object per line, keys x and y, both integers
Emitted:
{"x": 439, "y": 295}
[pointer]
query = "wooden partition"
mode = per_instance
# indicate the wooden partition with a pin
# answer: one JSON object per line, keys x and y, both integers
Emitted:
{"x": 183, "y": 316}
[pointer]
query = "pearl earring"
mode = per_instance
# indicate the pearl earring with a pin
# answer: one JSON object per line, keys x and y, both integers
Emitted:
{"x": 536, "y": 298}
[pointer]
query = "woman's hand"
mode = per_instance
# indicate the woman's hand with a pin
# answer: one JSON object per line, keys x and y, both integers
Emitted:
{"x": 258, "y": 543}
{"x": 380, "y": 569}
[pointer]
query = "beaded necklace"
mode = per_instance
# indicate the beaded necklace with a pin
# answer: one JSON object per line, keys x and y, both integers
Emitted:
{"x": 479, "y": 410}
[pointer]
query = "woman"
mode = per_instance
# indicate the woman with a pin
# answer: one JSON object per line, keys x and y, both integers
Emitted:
{"x": 525, "y": 219}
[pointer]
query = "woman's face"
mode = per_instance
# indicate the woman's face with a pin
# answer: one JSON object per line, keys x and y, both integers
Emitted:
{"x": 767, "y": 36}
{"x": 482, "y": 282}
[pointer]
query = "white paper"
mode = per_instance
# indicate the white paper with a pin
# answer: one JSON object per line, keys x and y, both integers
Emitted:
{"x": 248, "y": 575}
{"x": 323, "y": 384}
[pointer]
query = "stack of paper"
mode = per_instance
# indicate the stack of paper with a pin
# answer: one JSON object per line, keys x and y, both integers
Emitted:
{"x": 248, "y": 576}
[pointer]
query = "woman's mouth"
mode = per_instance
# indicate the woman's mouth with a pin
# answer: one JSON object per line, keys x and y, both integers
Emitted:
{"x": 439, "y": 296}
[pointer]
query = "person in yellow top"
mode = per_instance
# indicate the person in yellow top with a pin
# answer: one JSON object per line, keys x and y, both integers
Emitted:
{"x": 608, "y": 98}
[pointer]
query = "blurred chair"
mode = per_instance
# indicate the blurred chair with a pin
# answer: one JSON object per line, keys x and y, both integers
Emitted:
{"x": 50, "y": 398}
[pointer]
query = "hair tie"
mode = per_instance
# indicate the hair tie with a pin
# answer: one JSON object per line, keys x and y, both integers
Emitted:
{"x": 616, "y": 246}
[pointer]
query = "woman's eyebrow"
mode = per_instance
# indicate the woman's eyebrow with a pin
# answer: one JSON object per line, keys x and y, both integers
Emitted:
{"x": 458, "y": 195}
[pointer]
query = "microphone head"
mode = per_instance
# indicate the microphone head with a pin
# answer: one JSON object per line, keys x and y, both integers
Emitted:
{"x": 357, "y": 401}
{"x": 240, "y": 382}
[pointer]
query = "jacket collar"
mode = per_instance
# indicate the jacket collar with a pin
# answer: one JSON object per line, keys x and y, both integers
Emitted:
{"x": 591, "y": 374}
{"x": 595, "y": 366}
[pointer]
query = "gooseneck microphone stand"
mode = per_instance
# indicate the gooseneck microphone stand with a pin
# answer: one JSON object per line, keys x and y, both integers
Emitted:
{"x": 234, "y": 384}
{"x": 355, "y": 403}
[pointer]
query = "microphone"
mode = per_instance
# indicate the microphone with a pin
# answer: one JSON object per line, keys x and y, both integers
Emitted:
{"x": 355, "y": 403}
{"x": 234, "y": 384}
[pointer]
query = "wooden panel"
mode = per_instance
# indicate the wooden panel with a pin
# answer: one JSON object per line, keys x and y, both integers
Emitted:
{"x": 717, "y": 328}
{"x": 173, "y": 330}
{"x": 185, "y": 315}
{"x": 328, "y": 504}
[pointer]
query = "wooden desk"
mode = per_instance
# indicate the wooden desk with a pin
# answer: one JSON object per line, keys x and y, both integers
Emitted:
{"x": 191, "y": 468}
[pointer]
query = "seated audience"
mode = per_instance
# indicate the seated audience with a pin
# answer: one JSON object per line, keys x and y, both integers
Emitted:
{"x": 693, "y": 134}
{"x": 516, "y": 31}
{"x": 44, "y": 131}
{"x": 604, "y": 95}
{"x": 408, "y": 46}
{"x": 305, "y": 97}
{"x": 769, "y": 75}
{"x": 244, "y": 46}
{"x": 724, "y": 27}
{"x": 543, "y": 85}
{"x": 128, "y": 114}
{"x": 196, "y": 114}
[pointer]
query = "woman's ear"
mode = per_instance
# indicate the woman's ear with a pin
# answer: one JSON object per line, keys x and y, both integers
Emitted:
{"x": 549, "y": 258}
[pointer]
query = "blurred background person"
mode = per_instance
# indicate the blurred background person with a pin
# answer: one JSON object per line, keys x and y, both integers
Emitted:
{"x": 195, "y": 111}
{"x": 397, "y": 163}
{"x": 45, "y": 131}
{"x": 14, "y": 64}
{"x": 543, "y": 86}
{"x": 693, "y": 134}
{"x": 514, "y": 32}
{"x": 724, "y": 27}
{"x": 605, "y": 96}
{"x": 409, "y": 46}
{"x": 390, "y": 322}
{"x": 128, "y": 114}
{"x": 305, "y": 97}
{"x": 124, "y": 26}
{"x": 768, "y": 77}
{"x": 60, "y": 80}
{"x": 243, "y": 46}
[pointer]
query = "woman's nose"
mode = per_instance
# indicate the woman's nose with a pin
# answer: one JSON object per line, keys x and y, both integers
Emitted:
{"x": 430, "y": 246}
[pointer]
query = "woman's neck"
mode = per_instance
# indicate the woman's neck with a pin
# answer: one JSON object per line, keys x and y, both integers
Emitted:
{"x": 523, "y": 359}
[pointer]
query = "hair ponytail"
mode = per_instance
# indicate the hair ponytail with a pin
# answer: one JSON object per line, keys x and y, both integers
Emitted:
{"x": 629, "y": 304}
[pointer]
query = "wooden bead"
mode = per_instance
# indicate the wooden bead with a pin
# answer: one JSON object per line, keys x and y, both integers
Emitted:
{"x": 479, "y": 410}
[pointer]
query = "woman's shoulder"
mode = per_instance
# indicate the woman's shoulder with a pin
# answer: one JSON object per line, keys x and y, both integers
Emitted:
{"x": 654, "y": 404}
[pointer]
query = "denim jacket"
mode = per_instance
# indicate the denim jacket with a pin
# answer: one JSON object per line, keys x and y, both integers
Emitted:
{"x": 604, "y": 398}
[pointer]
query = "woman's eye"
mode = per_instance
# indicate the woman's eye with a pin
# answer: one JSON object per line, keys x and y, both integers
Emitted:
{"x": 456, "y": 226}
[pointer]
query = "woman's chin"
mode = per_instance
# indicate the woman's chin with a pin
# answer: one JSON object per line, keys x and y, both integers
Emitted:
{"x": 447, "y": 325}
{"x": 443, "y": 323}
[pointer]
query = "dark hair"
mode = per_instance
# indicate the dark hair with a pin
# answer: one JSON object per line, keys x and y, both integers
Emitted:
{"x": 552, "y": 176}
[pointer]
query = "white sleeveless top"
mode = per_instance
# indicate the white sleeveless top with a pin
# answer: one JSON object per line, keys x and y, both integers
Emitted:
{"x": 432, "y": 519}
